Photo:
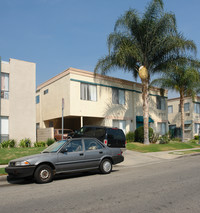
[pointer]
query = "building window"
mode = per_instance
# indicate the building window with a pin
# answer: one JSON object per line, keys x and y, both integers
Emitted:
{"x": 88, "y": 92}
{"x": 197, "y": 108}
{"x": 197, "y": 128}
{"x": 46, "y": 91}
{"x": 118, "y": 96}
{"x": 121, "y": 124}
{"x": 162, "y": 128}
{"x": 4, "y": 131}
{"x": 161, "y": 103}
{"x": 5, "y": 85}
{"x": 186, "y": 107}
{"x": 170, "y": 109}
{"x": 37, "y": 99}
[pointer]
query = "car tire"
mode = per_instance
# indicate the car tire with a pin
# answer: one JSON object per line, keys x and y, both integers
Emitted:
{"x": 43, "y": 174}
{"x": 106, "y": 166}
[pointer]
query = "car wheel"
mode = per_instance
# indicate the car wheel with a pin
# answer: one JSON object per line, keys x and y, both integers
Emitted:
{"x": 43, "y": 174}
{"x": 106, "y": 166}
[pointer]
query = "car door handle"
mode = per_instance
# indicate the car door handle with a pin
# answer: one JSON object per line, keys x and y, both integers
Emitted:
{"x": 81, "y": 154}
{"x": 100, "y": 152}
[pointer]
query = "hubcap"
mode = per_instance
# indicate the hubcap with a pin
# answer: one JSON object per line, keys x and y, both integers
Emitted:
{"x": 44, "y": 174}
{"x": 107, "y": 166}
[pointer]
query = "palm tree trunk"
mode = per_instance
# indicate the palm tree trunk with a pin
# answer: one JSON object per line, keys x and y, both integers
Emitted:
{"x": 145, "y": 96}
{"x": 182, "y": 113}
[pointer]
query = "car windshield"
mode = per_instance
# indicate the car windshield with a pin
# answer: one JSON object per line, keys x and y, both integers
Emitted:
{"x": 54, "y": 147}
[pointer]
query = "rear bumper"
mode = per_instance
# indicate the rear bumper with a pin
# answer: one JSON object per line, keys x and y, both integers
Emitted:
{"x": 118, "y": 159}
{"x": 20, "y": 172}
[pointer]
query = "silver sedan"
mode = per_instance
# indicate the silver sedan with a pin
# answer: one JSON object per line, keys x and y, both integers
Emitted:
{"x": 73, "y": 155}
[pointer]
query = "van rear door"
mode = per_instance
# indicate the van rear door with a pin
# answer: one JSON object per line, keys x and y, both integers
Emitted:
{"x": 116, "y": 138}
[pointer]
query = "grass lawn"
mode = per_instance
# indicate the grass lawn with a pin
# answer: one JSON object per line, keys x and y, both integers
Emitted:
{"x": 2, "y": 171}
{"x": 9, "y": 154}
{"x": 139, "y": 147}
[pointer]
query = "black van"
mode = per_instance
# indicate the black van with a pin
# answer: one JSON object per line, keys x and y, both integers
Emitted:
{"x": 112, "y": 137}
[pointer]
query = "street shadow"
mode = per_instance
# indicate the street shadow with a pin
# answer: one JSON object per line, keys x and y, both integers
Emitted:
{"x": 63, "y": 176}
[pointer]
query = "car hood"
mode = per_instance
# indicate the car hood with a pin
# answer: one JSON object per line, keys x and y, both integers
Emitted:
{"x": 31, "y": 157}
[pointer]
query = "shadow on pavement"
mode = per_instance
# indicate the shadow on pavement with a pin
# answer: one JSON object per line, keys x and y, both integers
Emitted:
{"x": 30, "y": 180}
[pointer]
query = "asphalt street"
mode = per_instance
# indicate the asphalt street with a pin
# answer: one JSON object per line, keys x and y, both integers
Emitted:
{"x": 157, "y": 186}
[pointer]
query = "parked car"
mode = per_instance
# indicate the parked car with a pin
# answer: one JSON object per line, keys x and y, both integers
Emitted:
{"x": 112, "y": 137}
{"x": 58, "y": 134}
{"x": 71, "y": 155}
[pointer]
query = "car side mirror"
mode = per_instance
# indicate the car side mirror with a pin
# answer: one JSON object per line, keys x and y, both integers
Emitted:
{"x": 64, "y": 151}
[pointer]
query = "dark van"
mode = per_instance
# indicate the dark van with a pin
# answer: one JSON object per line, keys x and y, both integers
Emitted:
{"x": 112, "y": 137}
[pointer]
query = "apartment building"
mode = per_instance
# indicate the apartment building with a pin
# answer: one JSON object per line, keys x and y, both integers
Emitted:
{"x": 191, "y": 117}
{"x": 17, "y": 102}
{"x": 97, "y": 100}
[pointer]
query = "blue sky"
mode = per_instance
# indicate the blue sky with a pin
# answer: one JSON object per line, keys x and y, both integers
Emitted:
{"x": 58, "y": 34}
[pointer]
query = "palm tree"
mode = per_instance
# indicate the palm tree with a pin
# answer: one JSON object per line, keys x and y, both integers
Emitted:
{"x": 144, "y": 45}
{"x": 183, "y": 78}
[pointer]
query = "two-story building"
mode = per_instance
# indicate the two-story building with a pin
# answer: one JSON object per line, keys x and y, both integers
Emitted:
{"x": 91, "y": 99}
{"x": 17, "y": 102}
{"x": 191, "y": 117}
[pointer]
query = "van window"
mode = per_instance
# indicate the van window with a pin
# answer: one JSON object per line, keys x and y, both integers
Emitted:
{"x": 115, "y": 134}
{"x": 100, "y": 132}
{"x": 87, "y": 131}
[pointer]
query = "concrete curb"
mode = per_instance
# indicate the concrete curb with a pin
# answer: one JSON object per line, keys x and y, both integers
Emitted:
{"x": 3, "y": 177}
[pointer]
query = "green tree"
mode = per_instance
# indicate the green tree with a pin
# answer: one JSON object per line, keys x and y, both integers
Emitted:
{"x": 143, "y": 45}
{"x": 183, "y": 78}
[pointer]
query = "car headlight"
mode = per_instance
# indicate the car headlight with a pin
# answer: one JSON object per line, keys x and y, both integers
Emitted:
{"x": 22, "y": 163}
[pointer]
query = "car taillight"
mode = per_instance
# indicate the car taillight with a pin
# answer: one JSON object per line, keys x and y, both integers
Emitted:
{"x": 120, "y": 153}
{"x": 105, "y": 142}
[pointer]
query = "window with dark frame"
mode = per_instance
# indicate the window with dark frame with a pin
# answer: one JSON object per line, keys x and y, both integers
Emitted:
{"x": 118, "y": 96}
{"x": 46, "y": 91}
{"x": 161, "y": 103}
{"x": 88, "y": 92}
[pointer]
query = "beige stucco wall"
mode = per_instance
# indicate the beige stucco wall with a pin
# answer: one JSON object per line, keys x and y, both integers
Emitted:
{"x": 20, "y": 107}
{"x": 50, "y": 105}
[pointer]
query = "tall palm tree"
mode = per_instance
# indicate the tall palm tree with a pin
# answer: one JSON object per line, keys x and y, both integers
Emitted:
{"x": 183, "y": 78}
{"x": 143, "y": 45}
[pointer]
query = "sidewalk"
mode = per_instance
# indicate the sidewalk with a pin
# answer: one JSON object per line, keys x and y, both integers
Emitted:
{"x": 132, "y": 158}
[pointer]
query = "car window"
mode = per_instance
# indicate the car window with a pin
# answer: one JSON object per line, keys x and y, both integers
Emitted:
{"x": 91, "y": 144}
{"x": 74, "y": 146}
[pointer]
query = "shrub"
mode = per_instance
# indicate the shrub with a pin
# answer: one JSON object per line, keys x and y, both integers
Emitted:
{"x": 139, "y": 134}
{"x": 130, "y": 137}
{"x": 12, "y": 143}
{"x": 25, "y": 143}
{"x": 154, "y": 138}
{"x": 50, "y": 141}
{"x": 39, "y": 144}
{"x": 176, "y": 139}
{"x": 196, "y": 137}
{"x": 5, "y": 144}
{"x": 164, "y": 139}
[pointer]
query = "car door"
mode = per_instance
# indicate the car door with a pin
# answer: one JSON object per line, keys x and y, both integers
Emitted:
{"x": 94, "y": 151}
{"x": 71, "y": 157}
